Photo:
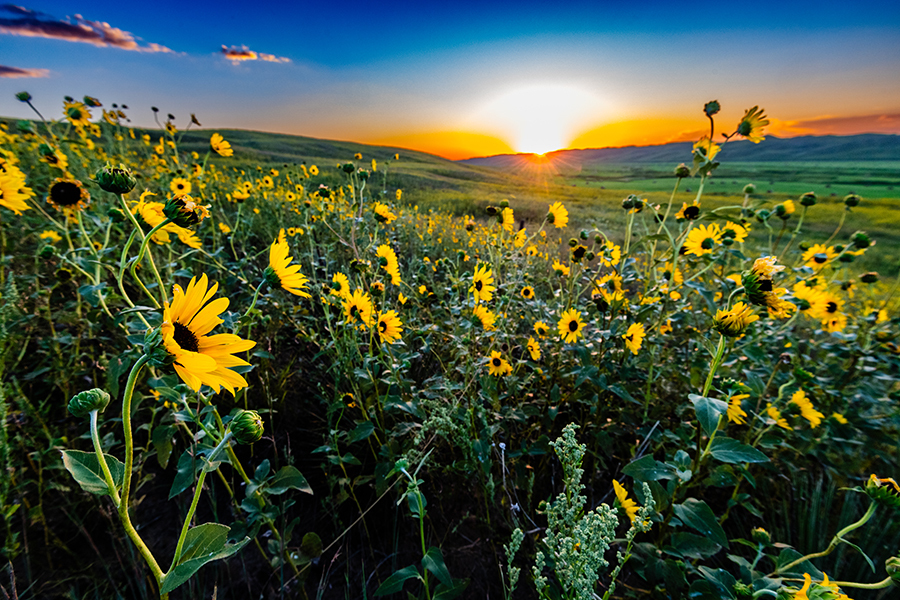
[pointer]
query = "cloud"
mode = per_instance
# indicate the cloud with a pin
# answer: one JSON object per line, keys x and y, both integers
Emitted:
{"x": 239, "y": 54}
{"x": 29, "y": 23}
{"x": 828, "y": 125}
{"x": 16, "y": 72}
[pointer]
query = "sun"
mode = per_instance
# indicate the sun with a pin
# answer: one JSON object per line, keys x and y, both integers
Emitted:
{"x": 540, "y": 117}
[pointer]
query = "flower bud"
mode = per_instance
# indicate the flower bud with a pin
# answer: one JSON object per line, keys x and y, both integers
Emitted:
{"x": 363, "y": 175}
{"x": 572, "y": 242}
{"x": 492, "y": 211}
{"x": 763, "y": 215}
{"x": 184, "y": 211}
{"x": 116, "y": 214}
{"x": 590, "y": 256}
{"x": 749, "y": 189}
{"x": 504, "y": 203}
{"x": 83, "y": 403}
{"x": 682, "y": 171}
{"x": 851, "y": 200}
{"x": 348, "y": 168}
{"x": 846, "y": 258}
{"x": 47, "y": 252}
{"x": 23, "y": 97}
{"x": 92, "y": 102}
{"x": 247, "y": 427}
{"x": 861, "y": 240}
{"x": 892, "y": 566}
{"x": 870, "y": 277}
{"x": 808, "y": 199}
{"x": 628, "y": 203}
{"x": 711, "y": 108}
{"x": 584, "y": 234}
{"x": 116, "y": 180}
{"x": 804, "y": 246}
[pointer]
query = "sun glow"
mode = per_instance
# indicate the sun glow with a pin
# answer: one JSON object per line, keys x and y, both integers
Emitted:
{"x": 540, "y": 117}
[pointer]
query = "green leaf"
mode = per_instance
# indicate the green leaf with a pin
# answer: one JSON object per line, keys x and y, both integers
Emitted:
{"x": 85, "y": 468}
{"x": 288, "y": 478}
{"x": 184, "y": 476}
{"x": 733, "y": 451}
{"x": 698, "y": 515}
{"x": 395, "y": 582}
{"x": 691, "y": 545}
{"x": 649, "y": 469}
{"x": 621, "y": 393}
{"x": 864, "y": 555}
{"x": 708, "y": 412}
{"x": 202, "y": 544}
{"x": 434, "y": 562}
{"x": 448, "y": 592}
{"x": 361, "y": 432}
{"x": 162, "y": 441}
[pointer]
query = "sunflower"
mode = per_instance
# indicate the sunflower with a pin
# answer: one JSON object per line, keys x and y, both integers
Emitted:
{"x": 818, "y": 256}
{"x": 832, "y": 316}
{"x": 49, "y": 234}
{"x": 390, "y": 328}
{"x": 13, "y": 191}
{"x": 775, "y": 415}
{"x": 541, "y": 329}
{"x": 527, "y": 292}
{"x": 68, "y": 194}
{"x": 383, "y": 213}
{"x": 629, "y": 505}
{"x": 810, "y": 300}
{"x": 152, "y": 214}
{"x": 751, "y": 125}
{"x": 634, "y": 337}
{"x": 688, "y": 212}
{"x": 280, "y": 272}
{"x": 533, "y": 349}
{"x": 340, "y": 286}
{"x": 734, "y": 231}
{"x": 558, "y": 215}
{"x": 55, "y": 158}
{"x": 180, "y": 186}
{"x": 358, "y": 306}
{"x": 314, "y": 170}
{"x": 570, "y": 326}
{"x": 733, "y": 322}
{"x": 520, "y": 238}
{"x": 735, "y": 413}
{"x": 387, "y": 258}
{"x": 702, "y": 239}
{"x": 560, "y": 269}
{"x": 706, "y": 149}
{"x": 77, "y": 114}
{"x": 507, "y": 219}
{"x": 497, "y": 365}
{"x": 201, "y": 359}
{"x": 806, "y": 409}
{"x": 487, "y": 318}
{"x": 482, "y": 284}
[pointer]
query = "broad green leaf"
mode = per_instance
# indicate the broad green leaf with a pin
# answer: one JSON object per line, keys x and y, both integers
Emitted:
{"x": 434, "y": 562}
{"x": 698, "y": 515}
{"x": 361, "y": 432}
{"x": 85, "y": 468}
{"x": 288, "y": 478}
{"x": 691, "y": 545}
{"x": 448, "y": 592}
{"x": 184, "y": 476}
{"x": 733, "y": 451}
{"x": 394, "y": 583}
{"x": 202, "y": 544}
{"x": 649, "y": 469}
{"x": 162, "y": 441}
{"x": 708, "y": 412}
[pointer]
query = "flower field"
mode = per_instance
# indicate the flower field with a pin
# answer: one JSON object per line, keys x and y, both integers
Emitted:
{"x": 223, "y": 378}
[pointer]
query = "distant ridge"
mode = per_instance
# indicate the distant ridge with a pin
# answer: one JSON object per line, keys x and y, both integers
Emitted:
{"x": 863, "y": 147}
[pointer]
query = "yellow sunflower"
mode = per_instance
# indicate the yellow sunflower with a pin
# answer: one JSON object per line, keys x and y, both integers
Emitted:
{"x": 558, "y": 215}
{"x": 358, "y": 306}
{"x": 482, "y": 284}
{"x": 340, "y": 286}
{"x": 199, "y": 358}
{"x": 487, "y": 318}
{"x": 390, "y": 327}
{"x": 735, "y": 413}
{"x": 751, "y": 125}
{"x": 688, "y": 212}
{"x": 702, "y": 239}
{"x": 77, "y": 114}
{"x": 180, "y": 186}
{"x": 541, "y": 329}
{"x": 818, "y": 256}
{"x": 810, "y": 300}
{"x": 68, "y": 195}
{"x": 533, "y": 349}
{"x": 13, "y": 191}
{"x": 634, "y": 337}
{"x": 737, "y": 232}
{"x": 733, "y": 322}
{"x": 570, "y": 326}
{"x": 527, "y": 292}
{"x": 280, "y": 272}
{"x": 383, "y": 213}
{"x": 498, "y": 366}
{"x": 387, "y": 258}
{"x": 807, "y": 409}
{"x": 220, "y": 146}
{"x": 629, "y": 505}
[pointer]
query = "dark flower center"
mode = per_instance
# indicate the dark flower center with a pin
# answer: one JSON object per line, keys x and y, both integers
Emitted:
{"x": 691, "y": 212}
{"x": 382, "y": 326}
{"x": 496, "y": 362}
{"x": 765, "y": 285}
{"x": 185, "y": 338}
{"x": 478, "y": 285}
{"x": 707, "y": 243}
{"x": 831, "y": 307}
{"x": 573, "y": 326}
{"x": 820, "y": 257}
{"x": 65, "y": 193}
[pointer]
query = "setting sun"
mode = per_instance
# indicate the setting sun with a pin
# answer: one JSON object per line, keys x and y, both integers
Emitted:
{"x": 540, "y": 117}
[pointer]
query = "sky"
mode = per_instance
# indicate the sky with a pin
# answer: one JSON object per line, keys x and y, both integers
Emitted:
{"x": 468, "y": 78}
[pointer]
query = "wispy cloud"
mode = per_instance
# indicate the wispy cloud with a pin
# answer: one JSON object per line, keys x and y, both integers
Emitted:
{"x": 16, "y": 72}
{"x": 239, "y": 54}
{"x": 19, "y": 20}
{"x": 828, "y": 125}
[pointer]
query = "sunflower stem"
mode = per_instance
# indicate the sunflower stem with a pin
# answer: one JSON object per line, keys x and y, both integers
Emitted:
{"x": 140, "y": 256}
{"x": 252, "y": 306}
{"x": 101, "y": 459}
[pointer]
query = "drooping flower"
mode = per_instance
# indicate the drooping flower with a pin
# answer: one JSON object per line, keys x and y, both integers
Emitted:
{"x": 775, "y": 415}
{"x": 185, "y": 211}
{"x": 630, "y": 506}
{"x": 609, "y": 254}
{"x": 752, "y": 123}
{"x": 688, "y": 212}
{"x": 560, "y": 269}
{"x": 220, "y": 146}
{"x": 541, "y": 329}
{"x": 558, "y": 215}
{"x": 498, "y": 366}
{"x": 383, "y": 213}
{"x": 390, "y": 327}
{"x": 733, "y": 322}
{"x": 634, "y": 337}
{"x": 703, "y": 239}
{"x": 49, "y": 234}
{"x": 806, "y": 408}
{"x": 487, "y": 318}
{"x": 281, "y": 273}
{"x": 570, "y": 326}
{"x": 735, "y": 413}
{"x": 483, "y": 284}
{"x": 358, "y": 307}
{"x": 387, "y": 258}
{"x": 533, "y": 349}
{"x": 13, "y": 191}
{"x": 760, "y": 289}
{"x": 199, "y": 358}
{"x": 152, "y": 214}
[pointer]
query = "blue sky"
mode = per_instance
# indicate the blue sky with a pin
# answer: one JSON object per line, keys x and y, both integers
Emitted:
{"x": 598, "y": 73}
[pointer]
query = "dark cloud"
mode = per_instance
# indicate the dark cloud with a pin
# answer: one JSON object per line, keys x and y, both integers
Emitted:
{"x": 236, "y": 54}
{"x": 15, "y": 72}
{"x": 29, "y": 23}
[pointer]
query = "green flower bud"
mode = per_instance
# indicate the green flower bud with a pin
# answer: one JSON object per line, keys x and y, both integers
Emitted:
{"x": 504, "y": 203}
{"x": 749, "y": 189}
{"x": 590, "y": 256}
{"x": 598, "y": 239}
{"x": 808, "y": 199}
{"x": 892, "y": 566}
{"x": 763, "y": 215}
{"x": 92, "y": 102}
{"x": 572, "y": 242}
{"x": 846, "y": 258}
{"x": 116, "y": 214}
{"x": 247, "y": 427}
{"x": 363, "y": 175}
{"x": 184, "y": 211}
{"x": 628, "y": 203}
{"x": 682, "y": 171}
{"x": 804, "y": 246}
{"x": 348, "y": 168}
{"x": 851, "y": 200}
{"x": 46, "y": 252}
{"x": 492, "y": 211}
{"x": 584, "y": 234}
{"x": 860, "y": 240}
{"x": 358, "y": 265}
{"x": 116, "y": 180}
{"x": 870, "y": 277}
{"x": 83, "y": 403}
{"x": 23, "y": 97}
{"x": 711, "y": 108}
{"x": 742, "y": 589}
